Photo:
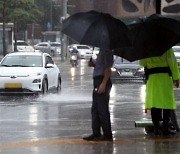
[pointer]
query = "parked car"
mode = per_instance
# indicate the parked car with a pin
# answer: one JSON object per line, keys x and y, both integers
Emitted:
{"x": 125, "y": 70}
{"x": 23, "y": 46}
{"x": 55, "y": 48}
{"x": 52, "y": 48}
{"x": 29, "y": 73}
{"x": 85, "y": 51}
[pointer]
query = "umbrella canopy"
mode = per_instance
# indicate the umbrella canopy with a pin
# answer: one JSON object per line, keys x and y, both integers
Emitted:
{"x": 151, "y": 36}
{"x": 96, "y": 29}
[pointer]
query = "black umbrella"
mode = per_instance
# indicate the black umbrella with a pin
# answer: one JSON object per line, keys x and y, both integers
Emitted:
{"x": 151, "y": 36}
{"x": 96, "y": 29}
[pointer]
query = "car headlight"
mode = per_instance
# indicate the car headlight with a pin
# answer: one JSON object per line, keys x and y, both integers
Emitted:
{"x": 35, "y": 74}
{"x": 113, "y": 69}
{"x": 58, "y": 50}
{"x": 141, "y": 69}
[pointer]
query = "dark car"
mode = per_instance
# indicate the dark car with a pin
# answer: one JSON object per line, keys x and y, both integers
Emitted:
{"x": 125, "y": 70}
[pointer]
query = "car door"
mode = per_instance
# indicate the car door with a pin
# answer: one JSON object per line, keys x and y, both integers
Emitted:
{"x": 51, "y": 72}
{"x": 44, "y": 47}
{"x": 47, "y": 48}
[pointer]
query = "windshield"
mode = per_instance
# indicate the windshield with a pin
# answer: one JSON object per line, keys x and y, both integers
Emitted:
{"x": 22, "y": 61}
{"x": 82, "y": 47}
{"x": 119, "y": 60}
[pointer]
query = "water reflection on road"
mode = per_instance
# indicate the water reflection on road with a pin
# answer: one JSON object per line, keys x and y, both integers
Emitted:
{"x": 58, "y": 119}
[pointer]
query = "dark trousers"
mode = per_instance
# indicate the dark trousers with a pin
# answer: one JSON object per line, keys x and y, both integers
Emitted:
{"x": 100, "y": 109}
{"x": 160, "y": 115}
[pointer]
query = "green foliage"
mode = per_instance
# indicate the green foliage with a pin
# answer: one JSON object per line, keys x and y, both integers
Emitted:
{"x": 30, "y": 11}
{"x": 25, "y": 11}
{"x": 45, "y": 6}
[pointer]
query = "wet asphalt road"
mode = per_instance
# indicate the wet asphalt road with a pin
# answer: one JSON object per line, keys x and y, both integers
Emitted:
{"x": 56, "y": 123}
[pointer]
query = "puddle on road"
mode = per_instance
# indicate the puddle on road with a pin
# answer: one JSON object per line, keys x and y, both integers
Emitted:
{"x": 65, "y": 97}
{"x": 49, "y": 98}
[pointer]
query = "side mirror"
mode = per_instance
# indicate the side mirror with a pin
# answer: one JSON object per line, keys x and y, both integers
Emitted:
{"x": 49, "y": 65}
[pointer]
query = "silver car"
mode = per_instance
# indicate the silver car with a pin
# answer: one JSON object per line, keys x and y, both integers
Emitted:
{"x": 55, "y": 48}
{"x": 52, "y": 48}
{"x": 43, "y": 47}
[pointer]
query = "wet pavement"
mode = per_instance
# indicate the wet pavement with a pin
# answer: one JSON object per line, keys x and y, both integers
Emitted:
{"x": 56, "y": 123}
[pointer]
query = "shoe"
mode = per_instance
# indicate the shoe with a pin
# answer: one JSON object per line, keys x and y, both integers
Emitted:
{"x": 91, "y": 137}
{"x": 103, "y": 138}
{"x": 168, "y": 132}
{"x": 158, "y": 131}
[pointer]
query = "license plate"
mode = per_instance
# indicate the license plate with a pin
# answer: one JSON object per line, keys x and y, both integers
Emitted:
{"x": 126, "y": 73}
{"x": 13, "y": 85}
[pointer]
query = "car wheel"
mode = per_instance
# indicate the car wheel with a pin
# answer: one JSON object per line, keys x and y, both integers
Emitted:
{"x": 59, "y": 84}
{"x": 44, "y": 87}
{"x": 52, "y": 53}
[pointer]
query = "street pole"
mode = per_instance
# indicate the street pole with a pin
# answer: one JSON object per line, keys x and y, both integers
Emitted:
{"x": 64, "y": 37}
{"x": 51, "y": 14}
{"x": 4, "y": 32}
{"x": 158, "y": 6}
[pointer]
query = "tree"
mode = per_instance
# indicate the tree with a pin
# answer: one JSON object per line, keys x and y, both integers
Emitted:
{"x": 18, "y": 11}
{"x": 52, "y": 12}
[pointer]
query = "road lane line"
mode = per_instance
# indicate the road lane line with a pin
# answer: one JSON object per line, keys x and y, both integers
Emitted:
{"x": 80, "y": 141}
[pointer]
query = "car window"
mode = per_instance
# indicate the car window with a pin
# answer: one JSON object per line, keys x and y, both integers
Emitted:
{"x": 23, "y": 60}
{"x": 82, "y": 47}
{"x": 55, "y": 45}
{"x": 22, "y": 44}
{"x": 49, "y": 60}
{"x": 43, "y": 45}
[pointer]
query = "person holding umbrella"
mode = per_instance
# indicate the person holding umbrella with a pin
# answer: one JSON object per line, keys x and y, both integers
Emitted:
{"x": 161, "y": 72}
{"x": 101, "y": 95}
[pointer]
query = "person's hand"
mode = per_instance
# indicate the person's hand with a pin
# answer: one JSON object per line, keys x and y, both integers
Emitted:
{"x": 102, "y": 88}
{"x": 90, "y": 64}
{"x": 176, "y": 83}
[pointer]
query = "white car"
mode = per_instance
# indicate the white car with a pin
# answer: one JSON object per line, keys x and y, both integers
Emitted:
{"x": 176, "y": 48}
{"x": 95, "y": 52}
{"x": 85, "y": 51}
{"x": 29, "y": 73}
{"x": 177, "y": 55}
{"x": 55, "y": 48}
{"x": 23, "y": 46}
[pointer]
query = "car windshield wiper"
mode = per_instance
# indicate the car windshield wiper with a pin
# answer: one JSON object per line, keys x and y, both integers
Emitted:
{"x": 5, "y": 65}
{"x": 18, "y": 66}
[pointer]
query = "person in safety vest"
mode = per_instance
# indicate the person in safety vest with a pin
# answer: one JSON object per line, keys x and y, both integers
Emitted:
{"x": 161, "y": 72}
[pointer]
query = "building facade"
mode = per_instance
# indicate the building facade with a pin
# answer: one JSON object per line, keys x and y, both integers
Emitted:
{"x": 8, "y": 36}
{"x": 125, "y": 8}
